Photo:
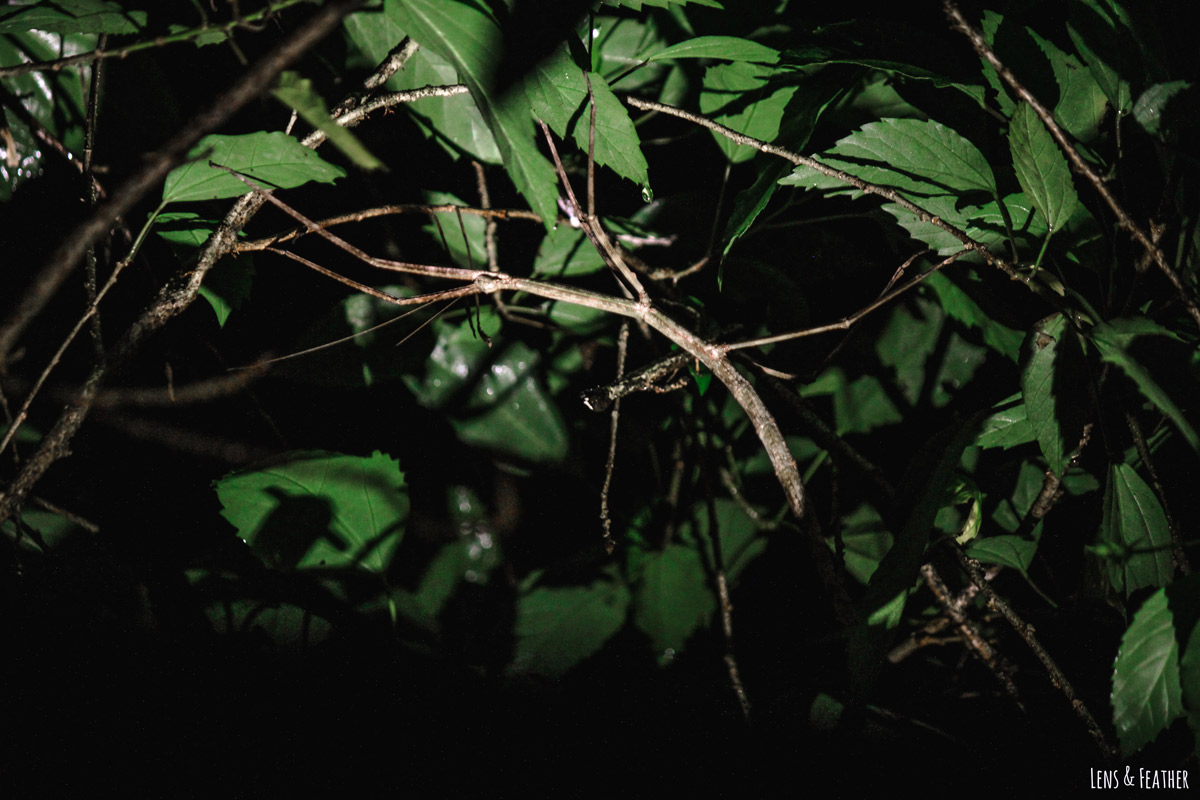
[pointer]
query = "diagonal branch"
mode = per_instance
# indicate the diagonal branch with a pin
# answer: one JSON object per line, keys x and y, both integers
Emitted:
{"x": 886, "y": 193}
{"x": 179, "y": 293}
{"x": 1077, "y": 162}
{"x": 250, "y": 85}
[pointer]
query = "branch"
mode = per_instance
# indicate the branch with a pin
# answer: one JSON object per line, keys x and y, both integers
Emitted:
{"x": 1080, "y": 166}
{"x": 383, "y": 211}
{"x": 54, "y": 65}
{"x": 181, "y": 291}
{"x": 1025, "y": 630}
{"x": 882, "y": 191}
{"x": 249, "y": 86}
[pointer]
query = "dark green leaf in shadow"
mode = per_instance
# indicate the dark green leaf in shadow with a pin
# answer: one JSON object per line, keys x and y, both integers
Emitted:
{"x": 919, "y": 498}
{"x": 1114, "y": 339}
{"x": 463, "y": 234}
{"x": 866, "y": 540}
{"x": 1007, "y": 551}
{"x": 800, "y": 116}
{"x": 674, "y": 597}
{"x": 1081, "y": 102}
{"x": 961, "y": 306}
{"x": 1164, "y": 107}
{"x": 227, "y": 285}
{"x": 557, "y": 627}
{"x": 493, "y": 397}
{"x": 1098, "y": 29}
{"x": 1006, "y": 428}
{"x": 566, "y": 252}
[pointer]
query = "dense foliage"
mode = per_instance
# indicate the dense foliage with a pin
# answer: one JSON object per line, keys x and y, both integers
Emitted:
{"x": 892, "y": 317}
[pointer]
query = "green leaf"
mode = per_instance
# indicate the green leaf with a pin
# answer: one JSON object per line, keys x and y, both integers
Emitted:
{"x": 271, "y": 159}
{"x": 51, "y": 529}
{"x": 1146, "y": 694}
{"x": 921, "y": 495}
{"x": 319, "y": 510}
{"x": 962, "y": 307}
{"x": 727, "y": 48}
{"x": 1134, "y": 530}
{"x": 298, "y": 94}
{"x": 454, "y": 122}
{"x": 470, "y": 40}
{"x": 800, "y": 118}
{"x": 493, "y": 396}
{"x": 1081, "y": 102}
{"x": 566, "y": 252}
{"x": 636, "y": 5}
{"x": 227, "y": 285}
{"x": 464, "y": 234}
{"x": 866, "y": 540}
{"x": 54, "y": 100}
{"x": 71, "y": 16}
{"x": 1006, "y": 428}
{"x": 863, "y": 405}
{"x": 1047, "y": 349}
{"x": 818, "y": 56}
{"x": 557, "y": 92}
{"x": 1041, "y": 167}
{"x": 523, "y": 422}
{"x": 1113, "y": 340}
{"x": 1007, "y": 551}
{"x": 617, "y": 144}
{"x": 916, "y": 157}
{"x": 1154, "y": 110}
{"x": 673, "y": 600}
{"x": 741, "y": 96}
{"x": 558, "y": 627}
{"x": 1097, "y": 29}
{"x": 283, "y": 624}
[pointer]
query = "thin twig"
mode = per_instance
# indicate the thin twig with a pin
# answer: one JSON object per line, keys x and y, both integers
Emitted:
{"x": 846, "y": 322}
{"x": 605, "y": 519}
{"x": 974, "y": 640}
{"x": 383, "y": 211}
{"x": 1025, "y": 631}
{"x": 592, "y": 228}
{"x": 93, "y": 196}
{"x": 489, "y": 229}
